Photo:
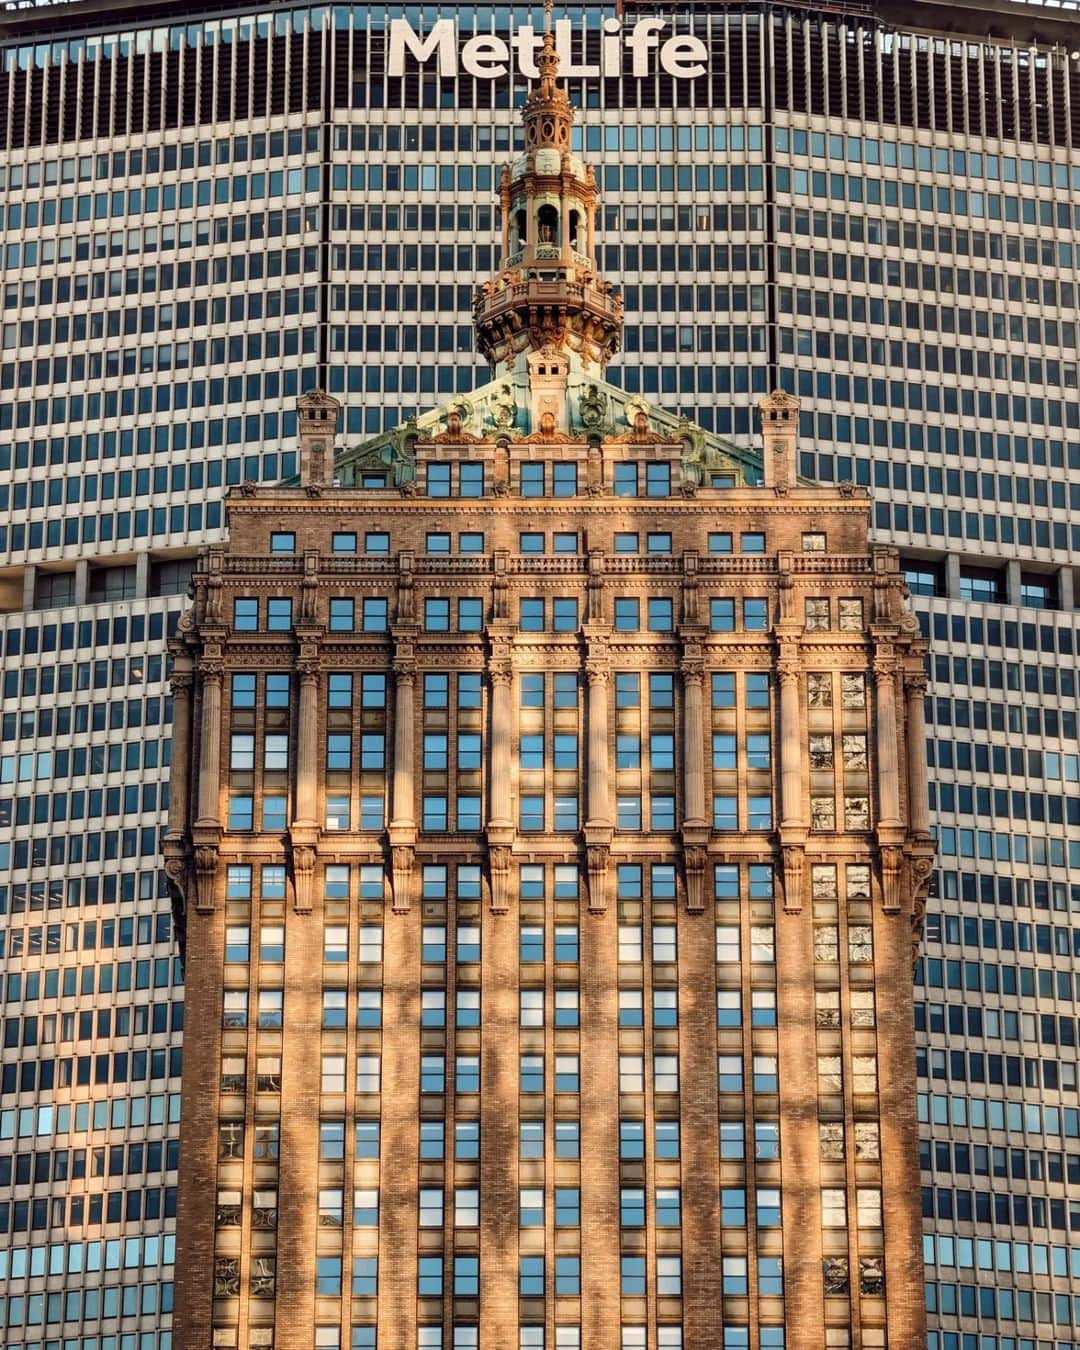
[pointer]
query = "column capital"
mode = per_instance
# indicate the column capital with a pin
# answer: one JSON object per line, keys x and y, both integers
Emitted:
{"x": 212, "y": 670}
{"x": 915, "y": 682}
{"x": 597, "y": 669}
{"x": 308, "y": 669}
{"x": 404, "y": 667}
{"x": 181, "y": 682}
{"x": 884, "y": 667}
{"x": 692, "y": 668}
{"x": 787, "y": 671}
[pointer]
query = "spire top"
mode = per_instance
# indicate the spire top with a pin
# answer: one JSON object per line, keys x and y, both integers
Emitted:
{"x": 548, "y": 297}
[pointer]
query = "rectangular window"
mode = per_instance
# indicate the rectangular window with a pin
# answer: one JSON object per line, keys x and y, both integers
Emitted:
{"x": 471, "y": 480}
{"x": 343, "y": 542}
{"x": 564, "y": 614}
{"x": 376, "y": 543}
{"x": 245, "y": 614}
{"x": 470, "y": 614}
{"x": 564, "y": 480}
{"x": 658, "y": 480}
{"x": 341, "y": 615}
{"x": 375, "y": 614}
{"x": 627, "y": 614}
{"x": 532, "y": 480}
{"x": 721, "y": 615}
{"x": 279, "y": 614}
{"x": 531, "y": 614}
{"x": 282, "y": 543}
{"x": 436, "y": 615}
{"x": 661, "y": 615}
{"x": 438, "y": 480}
{"x": 725, "y": 813}
{"x": 625, "y": 481}
{"x": 755, "y": 614}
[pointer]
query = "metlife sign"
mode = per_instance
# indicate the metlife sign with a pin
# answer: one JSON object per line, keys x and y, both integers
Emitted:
{"x": 487, "y": 56}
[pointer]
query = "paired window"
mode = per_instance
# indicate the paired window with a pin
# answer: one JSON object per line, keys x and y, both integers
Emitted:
{"x": 470, "y": 480}
{"x": 754, "y": 613}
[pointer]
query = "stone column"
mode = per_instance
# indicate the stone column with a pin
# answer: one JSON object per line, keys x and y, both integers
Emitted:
{"x": 1013, "y": 582}
{"x": 142, "y": 574}
{"x": 304, "y": 831}
{"x": 599, "y": 826}
{"x": 307, "y": 746}
{"x": 500, "y": 675}
{"x": 179, "y": 781}
{"x": 888, "y": 768}
{"x": 1066, "y": 589}
{"x": 693, "y": 675}
{"x": 952, "y": 576}
{"x": 793, "y": 821}
{"x": 791, "y": 793}
{"x": 599, "y": 797}
{"x": 918, "y": 803}
{"x": 599, "y": 1102}
{"x": 897, "y": 1087}
{"x": 499, "y": 1233}
{"x": 403, "y": 812}
{"x": 213, "y": 673}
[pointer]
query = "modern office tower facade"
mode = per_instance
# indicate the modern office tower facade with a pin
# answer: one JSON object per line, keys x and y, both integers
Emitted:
{"x": 205, "y": 215}
{"x": 523, "y": 1021}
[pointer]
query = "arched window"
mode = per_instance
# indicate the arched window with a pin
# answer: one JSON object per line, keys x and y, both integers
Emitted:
{"x": 575, "y": 218}
{"x": 520, "y": 227}
{"x": 547, "y": 222}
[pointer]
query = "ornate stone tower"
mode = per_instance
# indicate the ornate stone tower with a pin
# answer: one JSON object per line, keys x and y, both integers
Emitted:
{"x": 548, "y": 294}
{"x": 549, "y": 821}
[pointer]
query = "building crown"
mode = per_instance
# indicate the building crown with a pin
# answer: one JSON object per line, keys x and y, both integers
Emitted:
{"x": 548, "y": 295}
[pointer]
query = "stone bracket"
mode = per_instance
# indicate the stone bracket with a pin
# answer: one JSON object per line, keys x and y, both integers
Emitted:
{"x": 695, "y": 853}
{"x": 500, "y": 850}
{"x": 597, "y": 863}
{"x": 402, "y": 870}
{"x": 304, "y": 852}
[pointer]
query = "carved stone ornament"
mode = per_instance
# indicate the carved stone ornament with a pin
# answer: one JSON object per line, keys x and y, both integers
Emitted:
{"x": 206, "y": 869}
{"x": 794, "y": 869}
{"x": 695, "y": 865}
{"x": 403, "y": 873}
{"x": 175, "y": 868}
{"x": 503, "y": 406}
{"x": 303, "y": 861}
{"x": 915, "y": 682}
{"x": 920, "y": 874}
{"x": 593, "y": 407}
{"x": 892, "y": 865}
{"x": 596, "y": 856}
{"x": 499, "y": 869}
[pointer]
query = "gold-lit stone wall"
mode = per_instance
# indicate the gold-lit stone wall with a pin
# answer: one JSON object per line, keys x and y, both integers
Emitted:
{"x": 550, "y": 867}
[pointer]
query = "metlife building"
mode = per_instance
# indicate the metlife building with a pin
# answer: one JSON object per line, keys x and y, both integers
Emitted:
{"x": 208, "y": 211}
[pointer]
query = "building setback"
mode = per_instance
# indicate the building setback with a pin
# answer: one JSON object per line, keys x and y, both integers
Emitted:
{"x": 548, "y": 823}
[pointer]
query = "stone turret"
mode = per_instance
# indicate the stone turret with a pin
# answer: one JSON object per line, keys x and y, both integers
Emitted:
{"x": 548, "y": 293}
{"x": 317, "y": 418}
